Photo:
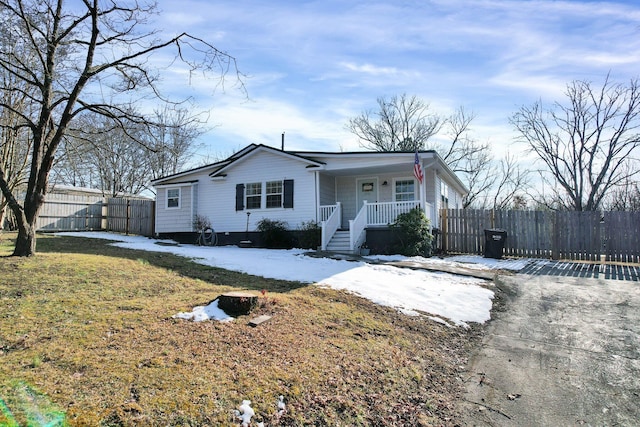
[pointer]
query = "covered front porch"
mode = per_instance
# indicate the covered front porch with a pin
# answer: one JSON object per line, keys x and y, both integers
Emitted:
{"x": 377, "y": 214}
{"x": 360, "y": 191}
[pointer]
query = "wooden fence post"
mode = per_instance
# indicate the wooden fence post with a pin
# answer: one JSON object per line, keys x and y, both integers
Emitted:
{"x": 555, "y": 238}
{"x": 128, "y": 215}
{"x": 444, "y": 234}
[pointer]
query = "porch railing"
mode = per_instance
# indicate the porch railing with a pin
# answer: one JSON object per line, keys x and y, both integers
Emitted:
{"x": 371, "y": 214}
{"x": 326, "y": 211}
{"x": 356, "y": 228}
{"x": 330, "y": 217}
{"x": 385, "y": 213}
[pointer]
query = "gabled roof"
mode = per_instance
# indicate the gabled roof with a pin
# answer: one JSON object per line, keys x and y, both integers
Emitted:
{"x": 312, "y": 159}
{"x": 253, "y": 149}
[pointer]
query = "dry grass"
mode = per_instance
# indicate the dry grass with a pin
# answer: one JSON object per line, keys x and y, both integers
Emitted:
{"x": 90, "y": 327}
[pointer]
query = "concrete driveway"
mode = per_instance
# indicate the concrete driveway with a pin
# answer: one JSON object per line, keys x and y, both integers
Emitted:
{"x": 561, "y": 351}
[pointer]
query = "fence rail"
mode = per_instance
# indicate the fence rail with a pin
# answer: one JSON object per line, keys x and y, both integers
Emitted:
{"x": 542, "y": 234}
{"x": 65, "y": 212}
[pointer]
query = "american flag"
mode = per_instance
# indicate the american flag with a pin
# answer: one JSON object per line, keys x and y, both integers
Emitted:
{"x": 417, "y": 169}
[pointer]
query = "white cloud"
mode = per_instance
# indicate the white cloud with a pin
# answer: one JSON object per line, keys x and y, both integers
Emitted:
{"x": 370, "y": 69}
{"x": 263, "y": 120}
{"x": 315, "y": 64}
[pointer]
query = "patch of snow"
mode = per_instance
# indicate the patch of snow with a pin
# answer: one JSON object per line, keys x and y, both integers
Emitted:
{"x": 206, "y": 312}
{"x": 475, "y": 262}
{"x": 246, "y": 412}
{"x": 490, "y": 263}
{"x": 440, "y": 320}
{"x": 457, "y": 298}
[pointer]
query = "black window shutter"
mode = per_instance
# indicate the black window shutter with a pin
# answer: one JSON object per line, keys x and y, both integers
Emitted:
{"x": 288, "y": 194}
{"x": 239, "y": 197}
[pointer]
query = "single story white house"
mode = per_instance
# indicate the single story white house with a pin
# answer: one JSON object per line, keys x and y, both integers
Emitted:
{"x": 351, "y": 194}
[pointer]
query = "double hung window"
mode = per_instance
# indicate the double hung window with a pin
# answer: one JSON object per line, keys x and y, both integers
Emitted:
{"x": 274, "y": 194}
{"x": 254, "y": 195}
{"x": 173, "y": 197}
{"x": 405, "y": 190}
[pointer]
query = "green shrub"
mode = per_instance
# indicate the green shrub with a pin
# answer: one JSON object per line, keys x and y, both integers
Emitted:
{"x": 413, "y": 231}
{"x": 309, "y": 235}
{"x": 274, "y": 233}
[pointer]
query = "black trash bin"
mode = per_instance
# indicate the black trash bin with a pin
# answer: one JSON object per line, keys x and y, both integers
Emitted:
{"x": 494, "y": 239}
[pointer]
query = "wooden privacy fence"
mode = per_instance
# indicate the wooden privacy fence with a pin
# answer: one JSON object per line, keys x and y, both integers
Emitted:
{"x": 70, "y": 212}
{"x": 66, "y": 212}
{"x": 542, "y": 234}
{"x": 131, "y": 216}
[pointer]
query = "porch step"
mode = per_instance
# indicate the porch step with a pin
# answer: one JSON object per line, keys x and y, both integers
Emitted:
{"x": 340, "y": 242}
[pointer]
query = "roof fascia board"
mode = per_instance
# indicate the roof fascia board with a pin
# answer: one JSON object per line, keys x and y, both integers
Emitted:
{"x": 176, "y": 184}
{"x": 159, "y": 181}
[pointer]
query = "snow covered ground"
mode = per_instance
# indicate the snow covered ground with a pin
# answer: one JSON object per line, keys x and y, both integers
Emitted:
{"x": 445, "y": 297}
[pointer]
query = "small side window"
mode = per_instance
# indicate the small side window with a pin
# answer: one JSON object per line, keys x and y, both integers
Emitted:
{"x": 173, "y": 198}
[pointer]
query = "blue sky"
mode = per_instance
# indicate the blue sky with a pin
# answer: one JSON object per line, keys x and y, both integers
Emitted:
{"x": 312, "y": 65}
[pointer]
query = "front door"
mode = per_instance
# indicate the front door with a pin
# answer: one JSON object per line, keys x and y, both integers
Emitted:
{"x": 366, "y": 189}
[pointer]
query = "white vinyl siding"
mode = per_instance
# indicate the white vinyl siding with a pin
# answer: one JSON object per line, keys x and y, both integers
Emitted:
{"x": 327, "y": 190}
{"x": 217, "y": 197}
{"x": 175, "y": 219}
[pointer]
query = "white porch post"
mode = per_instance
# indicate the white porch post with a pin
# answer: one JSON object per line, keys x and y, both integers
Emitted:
{"x": 422, "y": 186}
{"x": 317, "y": 196}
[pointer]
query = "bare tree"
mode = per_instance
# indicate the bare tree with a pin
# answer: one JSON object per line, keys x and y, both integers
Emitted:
{"x": 14, "y": 140}
{"x": 471, "y": 160}
{"x": 117, "y": 159}
{"x": 586, "y": 144}
{"x": 172, "y": 140}
{"x": 460, "y": 145}
{"x": 102, "y": 154}
{"x": 14, "y": 149}
{"x": 508, "y": 193}
{"x": 401, "y": 124}
{"x": 87, "y": 58}
{"x": 404, "y": 124}
{"x": 625, "y": 198}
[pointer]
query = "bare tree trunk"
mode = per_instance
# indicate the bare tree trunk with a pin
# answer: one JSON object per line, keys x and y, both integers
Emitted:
{"x": 3, "y": 207}
{"x": 26, "y": 241}
{"x": 26, "y": 223}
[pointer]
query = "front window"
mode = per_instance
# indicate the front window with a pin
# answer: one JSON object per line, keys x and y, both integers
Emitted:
{"x": 173, "y": 198}
{"x": 405, "y": 190}
{"x": 254, "y": 195}
{"x": 274, "y": 194}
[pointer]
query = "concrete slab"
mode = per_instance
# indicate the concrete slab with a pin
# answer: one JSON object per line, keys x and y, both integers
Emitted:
{"x": 565, "y": 351}
{"x": 259, "y": 320}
